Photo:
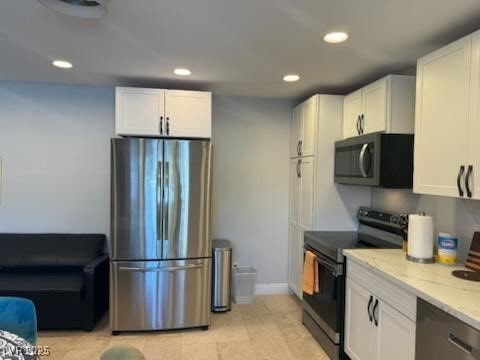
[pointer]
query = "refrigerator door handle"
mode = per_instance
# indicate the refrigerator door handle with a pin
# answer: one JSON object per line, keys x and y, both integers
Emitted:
{"x": 163, "y": 269}
{"x": 160, "y": 196}
{"x": 166, "y": 199}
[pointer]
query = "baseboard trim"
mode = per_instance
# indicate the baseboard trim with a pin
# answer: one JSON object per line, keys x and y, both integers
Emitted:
{"x": 272, "y": 289}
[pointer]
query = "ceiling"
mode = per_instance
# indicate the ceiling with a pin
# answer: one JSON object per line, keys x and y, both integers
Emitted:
{"x": 233, "y": 47}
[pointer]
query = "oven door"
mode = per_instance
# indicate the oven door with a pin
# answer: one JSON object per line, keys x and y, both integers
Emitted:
{"x": 357, "y": 160}
{"x": 325, "y": 306}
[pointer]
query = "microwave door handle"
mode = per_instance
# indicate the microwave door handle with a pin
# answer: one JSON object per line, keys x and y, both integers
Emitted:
{"x": 362, "y": 160}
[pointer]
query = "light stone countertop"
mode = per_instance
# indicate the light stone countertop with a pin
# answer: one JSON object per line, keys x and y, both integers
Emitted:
{"x": 431, "y": 282}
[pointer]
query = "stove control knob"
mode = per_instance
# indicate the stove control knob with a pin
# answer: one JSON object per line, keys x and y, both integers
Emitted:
{"x": 394, "y": 220}
{"x": 364, "y": 212}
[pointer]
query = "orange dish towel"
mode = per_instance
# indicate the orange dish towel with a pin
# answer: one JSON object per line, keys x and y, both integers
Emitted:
{"x": 309, "y": 273}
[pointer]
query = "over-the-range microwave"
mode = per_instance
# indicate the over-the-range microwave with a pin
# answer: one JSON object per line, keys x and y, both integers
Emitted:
{"x": 377, "y": 159}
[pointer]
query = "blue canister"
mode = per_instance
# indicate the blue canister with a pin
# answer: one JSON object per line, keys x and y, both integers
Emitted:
{"x": 447, "y": 249}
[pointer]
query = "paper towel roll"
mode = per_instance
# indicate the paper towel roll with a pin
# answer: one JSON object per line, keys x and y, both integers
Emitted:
{"x": 420, "y": 236}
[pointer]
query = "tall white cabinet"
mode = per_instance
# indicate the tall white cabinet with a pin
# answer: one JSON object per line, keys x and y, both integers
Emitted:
{"x": 316, "y": 203}
{"x": 447, "y": 121}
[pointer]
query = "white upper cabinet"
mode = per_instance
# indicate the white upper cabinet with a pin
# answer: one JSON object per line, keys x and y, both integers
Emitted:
{"x": 374, "y": 114}
{"x": 297, "y": 130}
{"x": 386, "y": 105}
{"x": 442, "y": 119}
{"x": 139, "y": 111}
{"x": 307, "y": 145}
{"x": 352, "y": 110}
{"x": 188, "y": 113}
{"x": 473, "y": 161}
{"x": 168, "y": 113}
{"x": 303, "y": 128}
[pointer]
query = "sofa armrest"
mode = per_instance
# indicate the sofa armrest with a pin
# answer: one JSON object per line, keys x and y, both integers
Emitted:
{"x": 96, "y": 290}
{"x": 95, "y": 264}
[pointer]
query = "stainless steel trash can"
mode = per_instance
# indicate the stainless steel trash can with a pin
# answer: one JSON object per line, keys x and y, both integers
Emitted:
{"x": 221, "y": 276}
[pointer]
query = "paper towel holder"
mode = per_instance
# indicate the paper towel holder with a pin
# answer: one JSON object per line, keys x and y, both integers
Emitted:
{"x": 417, "y": 260}
{"x": 421, "y": 260}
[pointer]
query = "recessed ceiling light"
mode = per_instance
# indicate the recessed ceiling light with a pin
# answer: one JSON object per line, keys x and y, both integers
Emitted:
{"x": 335, "y": 37}
{"x": 291, "y": 78}
{"x": 62, "y": 64}
{"x": 182, "y": 72}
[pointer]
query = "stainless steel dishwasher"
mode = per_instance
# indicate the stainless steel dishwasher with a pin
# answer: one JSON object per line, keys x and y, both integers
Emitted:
{"x": 441, "y": 336}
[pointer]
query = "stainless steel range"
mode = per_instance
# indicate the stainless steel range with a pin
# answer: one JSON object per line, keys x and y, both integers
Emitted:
{"x": 323, "y": 312}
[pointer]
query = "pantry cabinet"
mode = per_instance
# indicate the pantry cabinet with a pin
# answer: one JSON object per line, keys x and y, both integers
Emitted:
{"x": 295, "y": 258}
{"x": 315, "y": 201}
{"x": 374, "y": 328}
{"x": 166, "y": 113}
{"x": 303, "y": 129}
{"x": 386, "y": 105}
{"x": 447, "y": 131}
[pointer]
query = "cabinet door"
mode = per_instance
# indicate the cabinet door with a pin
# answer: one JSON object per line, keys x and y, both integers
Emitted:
{"x": 474, "y": 127}
{"x": 310, "y": 114}
{"x": 295, "y": 259}
{"x": 360, "y": 333}
{"x": 395, "y": 334}
{"x": 188, "y": 113}
{"x": 295, "y": 190}
{"x": 138, "y": 111}
{"x": 441, "y": 119}
{"x": 352, "y": 108}
{"x": 292, "y": 259}
{"x": 374, "y": 106}
{"x": 306, "y": 197}
{"x": 297, "y": 130}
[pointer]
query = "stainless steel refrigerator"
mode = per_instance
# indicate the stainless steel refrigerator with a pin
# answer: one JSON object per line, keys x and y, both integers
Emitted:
{"x": 160, "y": 234}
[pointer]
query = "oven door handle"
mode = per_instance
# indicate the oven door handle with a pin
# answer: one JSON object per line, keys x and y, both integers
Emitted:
{"x": 334, "y": 268}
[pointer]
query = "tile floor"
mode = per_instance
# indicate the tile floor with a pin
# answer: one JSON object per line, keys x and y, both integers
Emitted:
{"x": 269, "y": 329}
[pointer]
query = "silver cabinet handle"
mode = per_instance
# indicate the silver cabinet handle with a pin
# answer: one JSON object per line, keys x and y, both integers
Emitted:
{"x": 164, "y": 269}
{"x": 300, "y": 143}
{"x": 298, "y": 148}
{"x": 299, "y": 170}
{"x": 460, "y": 344}
{"x": 362, "y": 160}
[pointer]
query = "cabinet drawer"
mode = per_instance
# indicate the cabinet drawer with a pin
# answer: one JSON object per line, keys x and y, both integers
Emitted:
{"x": 395, "y": 296}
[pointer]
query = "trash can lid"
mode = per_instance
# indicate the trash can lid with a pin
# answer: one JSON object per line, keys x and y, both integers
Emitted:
{"x": 221, "y": 244}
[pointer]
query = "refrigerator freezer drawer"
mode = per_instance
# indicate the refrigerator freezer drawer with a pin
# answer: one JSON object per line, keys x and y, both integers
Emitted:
{"x": 159, "y": 295}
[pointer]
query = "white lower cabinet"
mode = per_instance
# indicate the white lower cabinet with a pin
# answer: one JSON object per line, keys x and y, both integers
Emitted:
{"x": 295, "y": 258}
{"x": 360, "y": 333}
{"x": 396, "y": 334}
{"x": 375, "y": 330}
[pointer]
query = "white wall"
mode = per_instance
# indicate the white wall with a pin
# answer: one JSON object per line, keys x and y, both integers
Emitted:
{"x": 250, "y": 182}
{"x": 457, "y": 216}
{"x": 55, "y": 145}
{"x": 54, "y": 142}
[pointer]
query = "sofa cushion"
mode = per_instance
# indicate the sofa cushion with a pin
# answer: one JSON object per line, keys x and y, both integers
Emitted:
{"x": 36, "y": 250}
{"x": 46, "y": 282}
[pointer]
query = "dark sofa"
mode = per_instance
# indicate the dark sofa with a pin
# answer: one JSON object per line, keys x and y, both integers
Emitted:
{"x": 65, "y": 275}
